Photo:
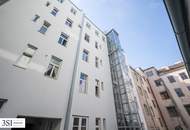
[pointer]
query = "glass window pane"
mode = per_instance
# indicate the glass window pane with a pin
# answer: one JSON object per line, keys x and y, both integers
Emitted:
{"x": 76, "y": 121}
{"x": 75, "y": 128}
{"x": 48, "y": 72}
{"x": 83, "y": 122}
{"x": 83, "y": 128}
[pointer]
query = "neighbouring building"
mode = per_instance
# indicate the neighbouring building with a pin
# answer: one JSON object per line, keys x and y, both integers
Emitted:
{"x": 147, "y": 105}
{"x": 54, "y": 67}
{"x": 171, "y": 87}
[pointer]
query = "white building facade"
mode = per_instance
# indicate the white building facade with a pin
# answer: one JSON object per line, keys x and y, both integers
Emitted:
{"x": 54, "y": 67}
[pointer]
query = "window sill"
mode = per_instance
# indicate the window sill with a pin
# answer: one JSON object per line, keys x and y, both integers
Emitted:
{"x": 21, "y": 67}
{"x": 50, "y": 77}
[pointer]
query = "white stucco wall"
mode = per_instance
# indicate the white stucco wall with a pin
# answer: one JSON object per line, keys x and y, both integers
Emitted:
{"x": 28, "y": 91}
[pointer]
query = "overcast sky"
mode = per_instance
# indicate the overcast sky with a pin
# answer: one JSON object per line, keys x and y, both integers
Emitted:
{"x": 144, "y": 29}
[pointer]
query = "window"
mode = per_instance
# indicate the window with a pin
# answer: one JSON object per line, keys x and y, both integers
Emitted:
{"x": 2, "y": 101}
{"x": 145, "y": 93}
{"x": 98, "y": 124}
{"x": 140, "y": 90}
{"x": 97, "y": 33}
{"x": 183, "y": 76}
{"x": 149, "y": 73}
{"x": 172, "y": 111}
{"x": 148, "y": 89}
{"x": 80, "y": 123}
{"x": 187, "y": 107}
{"x": 171, "y": 79}
{"x": 85, "y": 55}
{"x": 54, "y": 11}
{"x": 153, "y": 103}
{"x": 53, "y": 67}
{"x": 164, "y": 95}
{"x": 158, "y": 82}
{"x": 179, "y": 92}
{"x": 160, "y": 122}
{"x": 26, "y": 56}
{"x": 178, "y": 127}
{"x": 36, "y": 17}
{"x": 152, "y": 111}
{"x": 103, "y": 38}
{"x": 96, "y": 62}
{"x": 188, "y": 87}
{"x": 104, "y": 124}
{"x": 73, "y": 11}
{"x": 100, "y": 46}
{"x": 101, "y": 62}
{"x": 146, "y": 109}
{"x": 88, "y": 25}
{"x": 69, "y": 22}
{"x": 96, "y": 45}
{"x": 63, "y": 39}
{"x": 97, "y": 88}
{"x": 102, "y": 85}
{"x": 87, "y": 37}
{"x": 44, "y": 27}
{"x": 76, "y": 123}
{"x": 47, "y": 3}
{"x": 61, "y": 1}
{"x": 83, "y": 83}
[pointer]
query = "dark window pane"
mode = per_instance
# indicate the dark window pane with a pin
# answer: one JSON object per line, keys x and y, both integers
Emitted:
{"x": 76, "y": 121}
{"x": 83, "y": 122}
{"x": 75, "y": 128}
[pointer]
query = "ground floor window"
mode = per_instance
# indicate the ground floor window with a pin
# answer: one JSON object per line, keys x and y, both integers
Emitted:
{"x": 98, "y": 124}
{"x": 80, "y": 123}
{"x": 40, "y": 123}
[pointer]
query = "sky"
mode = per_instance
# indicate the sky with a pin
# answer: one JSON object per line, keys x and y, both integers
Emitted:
{"x": 145, "y": 32}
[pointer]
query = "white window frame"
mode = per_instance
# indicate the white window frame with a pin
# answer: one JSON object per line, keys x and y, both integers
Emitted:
{"x": 98, "y": 126}
{"x": 87, "y": 37}
{"x": 97, "y": 33}
{"x": 85, "y": 55}
{"x": 183, "y": 75}
{"x": 96, "y": 44}
{"x": 63, "y": 39}
{"x": 103, "y": 38}
{"x": 61, "y": 1}
{"x": 80, "y": 125}
{"x": 73, "y": 11}
{"x": 104, "y": 124}
{"x": 96, "y": 62}
{"x": 97, "y": 88}
{"x": 48, "y": 3}
{"x": 53, "y": 68}
{"x": 26, "y": 57}
{"x": 44, "y": 27}
{"x": 35, "y": 18}
{"x": 54, "y": 11}
{"x": 69, "y": 22}
{"x": 102, "y": 85}
{"x": 88, "y": 25}
{"x": 83, "y": 83}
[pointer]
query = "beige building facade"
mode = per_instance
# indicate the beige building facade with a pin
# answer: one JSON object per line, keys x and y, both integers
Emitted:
{"x": 146, "y": 101}
{"x": 171, "y": 87}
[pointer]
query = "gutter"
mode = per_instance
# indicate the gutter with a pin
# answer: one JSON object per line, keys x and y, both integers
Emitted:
{"x": 178, "y": 14}
{"x": 74, "y": 76}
